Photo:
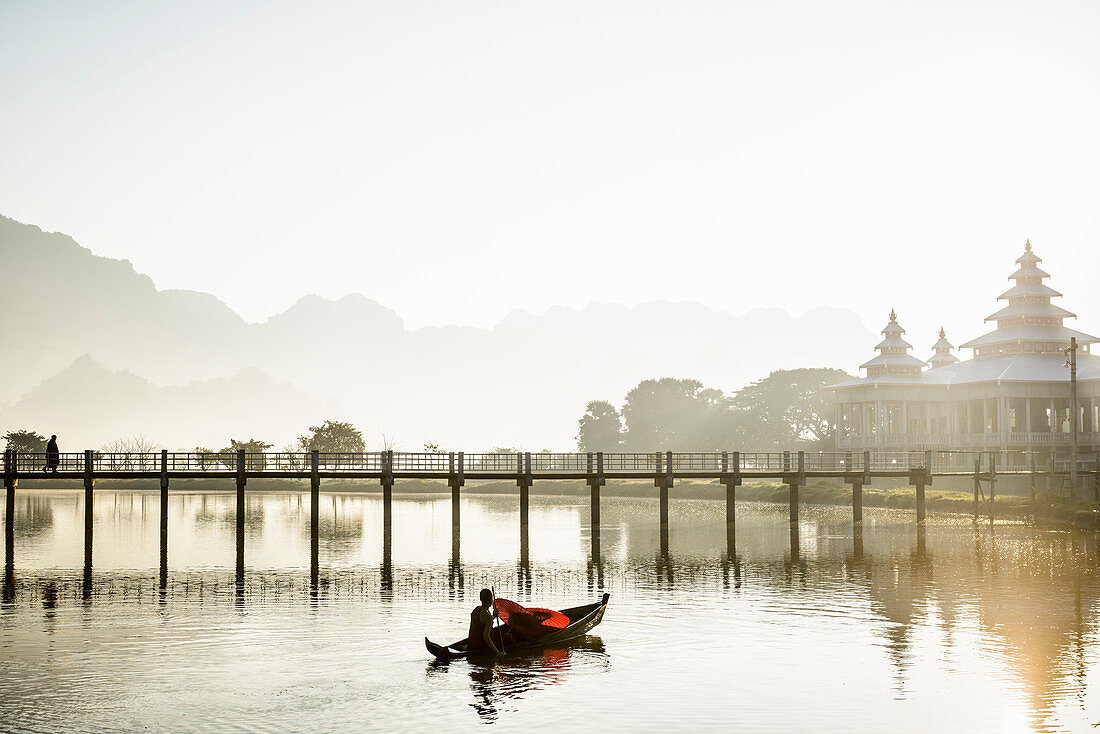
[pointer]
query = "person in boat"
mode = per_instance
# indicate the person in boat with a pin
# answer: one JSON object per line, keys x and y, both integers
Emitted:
{"x": 481, "y": 625}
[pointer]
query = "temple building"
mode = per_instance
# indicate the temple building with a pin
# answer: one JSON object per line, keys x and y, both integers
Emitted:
{"x": 1013, "y": 394}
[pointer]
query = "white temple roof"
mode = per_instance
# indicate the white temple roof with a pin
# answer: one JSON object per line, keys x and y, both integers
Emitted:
{"x": 1003, "y": 368}
{"x": 1030, "y": 333}
{"x": 893, "y": 341}
{"x": 894, "y": 359}
{"x": 1029, "y": 289}
{"x": 1029, "y": 271}
{"x": 1031, "y": 309}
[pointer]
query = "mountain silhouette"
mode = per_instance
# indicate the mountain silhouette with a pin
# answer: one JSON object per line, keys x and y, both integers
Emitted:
{"x": 106, "y": 334}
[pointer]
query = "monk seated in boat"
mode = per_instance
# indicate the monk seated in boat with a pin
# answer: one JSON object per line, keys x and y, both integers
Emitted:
{"x": 481, "y": 626}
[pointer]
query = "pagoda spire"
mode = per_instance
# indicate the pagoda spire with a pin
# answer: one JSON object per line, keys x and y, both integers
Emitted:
{"x": 942, "y": 355}
{"x": 1030, "y": 323}
{"x": 893, "y": 358}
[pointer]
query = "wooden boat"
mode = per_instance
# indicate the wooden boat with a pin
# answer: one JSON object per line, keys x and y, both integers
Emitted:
{"x": 581, "y": 620}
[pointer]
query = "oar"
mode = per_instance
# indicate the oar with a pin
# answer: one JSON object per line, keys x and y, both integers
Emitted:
{"x": 496, "y": 613}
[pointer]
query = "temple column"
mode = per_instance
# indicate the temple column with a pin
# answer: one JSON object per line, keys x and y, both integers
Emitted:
{"x": 880, "y": 422}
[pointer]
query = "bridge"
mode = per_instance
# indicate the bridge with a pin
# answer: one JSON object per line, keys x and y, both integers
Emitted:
{"x": 730, "y": 468}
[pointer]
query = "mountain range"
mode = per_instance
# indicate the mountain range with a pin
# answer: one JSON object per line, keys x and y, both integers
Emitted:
{"x": 96, "y": 352}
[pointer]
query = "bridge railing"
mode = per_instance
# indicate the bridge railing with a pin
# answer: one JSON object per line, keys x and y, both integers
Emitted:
{"x": 511, "y": 464}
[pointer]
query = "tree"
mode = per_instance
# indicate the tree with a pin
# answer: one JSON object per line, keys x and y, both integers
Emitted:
{"x": 677, "y": 415}
{"x": 251, "y": 448}
{"x": 601, "y": 428}
{"x": 433, "y": 448}
{"x": 25, "y": 441}
{"x": 387, "y": 441}
{"x": 138, "y": 443}
{"x": 789, "y": 407}
{"x": 334, "y": 437}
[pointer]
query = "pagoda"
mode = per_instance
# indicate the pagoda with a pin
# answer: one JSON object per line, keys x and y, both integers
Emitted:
{"x": 1012, "y": 396}
{"x": 894, "y": 358}
{"x": 1030, "y": 323}
{"x": 942, "y": 355}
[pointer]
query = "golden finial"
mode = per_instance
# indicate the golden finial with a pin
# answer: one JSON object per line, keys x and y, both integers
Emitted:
{"x": 1027, "y": 245}
{"x": 943, "y": 334}
{"x": 893, "y": 316}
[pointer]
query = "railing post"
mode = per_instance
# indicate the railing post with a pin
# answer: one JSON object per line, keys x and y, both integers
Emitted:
{"x": 866, "y": 468}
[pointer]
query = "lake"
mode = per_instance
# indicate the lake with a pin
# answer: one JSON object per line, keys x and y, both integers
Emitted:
{"x": 953, "y": 627}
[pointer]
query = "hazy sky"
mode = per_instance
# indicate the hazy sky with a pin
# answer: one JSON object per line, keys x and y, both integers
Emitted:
{"x": 457, "y": 160}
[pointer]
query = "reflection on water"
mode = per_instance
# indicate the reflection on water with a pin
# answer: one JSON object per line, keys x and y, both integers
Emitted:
{"x": 883, "y": 625}
{"x": 498, "y": 685}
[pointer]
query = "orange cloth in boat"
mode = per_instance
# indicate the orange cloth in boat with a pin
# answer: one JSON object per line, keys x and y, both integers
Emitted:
{"x": 530, "y": 622}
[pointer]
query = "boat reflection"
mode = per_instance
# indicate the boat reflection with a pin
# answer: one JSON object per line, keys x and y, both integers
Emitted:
{"x": 498, "y": 685}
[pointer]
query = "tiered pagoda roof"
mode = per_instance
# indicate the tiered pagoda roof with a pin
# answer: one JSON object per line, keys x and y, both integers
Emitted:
{"x": 942, "y": 355}
{"x": 1027, "y": 345}
{"x": 893, "y": 357}
{"x": 1030, "y": 323}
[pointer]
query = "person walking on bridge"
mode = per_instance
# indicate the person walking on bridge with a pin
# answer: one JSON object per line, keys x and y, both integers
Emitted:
{"x": 53, "y": 456}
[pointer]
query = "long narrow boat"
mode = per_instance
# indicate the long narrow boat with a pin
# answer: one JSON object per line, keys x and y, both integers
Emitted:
{"x": 581, "y": 620}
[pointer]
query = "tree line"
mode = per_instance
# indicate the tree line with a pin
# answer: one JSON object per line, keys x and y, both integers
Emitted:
{"x": 788, "y": 409}
{"x": 329, "y": 437}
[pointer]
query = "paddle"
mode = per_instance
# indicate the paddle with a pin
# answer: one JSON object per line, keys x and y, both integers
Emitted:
{"x": 496, "y": 614}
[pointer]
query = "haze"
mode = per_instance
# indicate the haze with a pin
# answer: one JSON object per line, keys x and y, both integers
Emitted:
{"x": 454, "y": 161}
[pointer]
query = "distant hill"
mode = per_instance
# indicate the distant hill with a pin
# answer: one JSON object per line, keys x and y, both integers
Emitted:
{"x": 88, "y": 405}
{"x": 522, "y": 383}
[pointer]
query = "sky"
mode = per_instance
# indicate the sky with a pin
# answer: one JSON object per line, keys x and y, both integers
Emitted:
{"x": 455, "y": 161}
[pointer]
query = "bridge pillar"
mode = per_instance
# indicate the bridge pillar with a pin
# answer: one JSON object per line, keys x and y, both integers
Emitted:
{"x": 1032, "y": 477}
{"x": 919, "y": 478}
{"x": 89, "y": 509}
{"x": 977, "y": 483}
{"x": 241, "y": 481}
{"x": 9, "y": 526}
{"x": 524, "y": 482}
{"x": 663, "y": 481}
{"x": 595, "y": 480}
{"x": 794, "y": 481}
{"x": 993, "y": 484}
{"x": 387, "y": 489}
{"x": 456, "y": 478}
{"x": 163, "y": 518}
{"x": 314, "y": 516}
{"x": 731, "y": 480}
{"x": 857, "y": 498}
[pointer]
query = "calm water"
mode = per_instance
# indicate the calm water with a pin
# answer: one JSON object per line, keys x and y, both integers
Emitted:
{"x": 956, "y": 628}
